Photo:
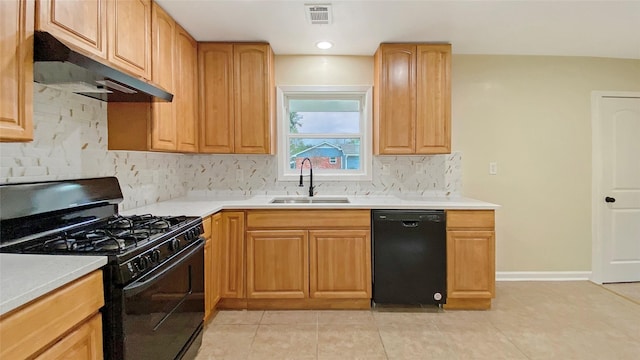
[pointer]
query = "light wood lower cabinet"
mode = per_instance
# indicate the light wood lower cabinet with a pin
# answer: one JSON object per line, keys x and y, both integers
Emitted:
{"x": 316, "y": 256}
{"x": 64, "y": 324}
{"x": 232, "y": 272}
{"x": 470, "y": 259}
{"x": 277, "y": 264}
{"x": 340, "y": 264}
{"x": 83, "y": 343}
{"x": 212, "y": 263}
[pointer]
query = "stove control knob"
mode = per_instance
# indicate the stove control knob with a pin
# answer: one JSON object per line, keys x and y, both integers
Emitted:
{"x": 142, "y": 263}
{"x": 174, "y": 245}
{"x": 155, "y": 255}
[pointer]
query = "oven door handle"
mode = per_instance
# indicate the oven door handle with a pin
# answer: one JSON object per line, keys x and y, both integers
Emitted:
{"x": 148, "y": 280}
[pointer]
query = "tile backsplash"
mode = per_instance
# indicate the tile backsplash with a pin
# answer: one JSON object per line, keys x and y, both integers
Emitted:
{"x": 217, "y": 175}
{"x": 70, "y": 141}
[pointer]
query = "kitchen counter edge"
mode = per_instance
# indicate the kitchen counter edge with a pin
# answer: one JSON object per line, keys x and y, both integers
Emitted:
{"x": 24, "y": 277}
{"x": 204, "y": 207}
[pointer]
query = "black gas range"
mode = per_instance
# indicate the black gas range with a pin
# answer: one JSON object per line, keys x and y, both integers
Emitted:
{"x": 154, "y": 279}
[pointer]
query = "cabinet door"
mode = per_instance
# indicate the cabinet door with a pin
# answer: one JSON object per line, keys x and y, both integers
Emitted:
{"x": 216, "y": 94}
{"x": 433, "y": 113}
{"x": 340, "y": 264}
{"x": 254, "y": 93}
{"x": 82, "y": 24}
{"x": 395, "y": 99}
{"x": 83, "y": 343}
{"x": 216, "y": 251}
{"x": 470, "y": 264}
{"x": 186, "y": 98}
{"x": 277, "y": 264}
{"x": 163, "y": 121}
{"x": 130, "y": 35}
{"x": 233, "y": 254}
{"x": 16, "y": 66}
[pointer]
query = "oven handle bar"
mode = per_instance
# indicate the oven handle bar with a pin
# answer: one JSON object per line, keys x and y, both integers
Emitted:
{"x": 141, "y": 285}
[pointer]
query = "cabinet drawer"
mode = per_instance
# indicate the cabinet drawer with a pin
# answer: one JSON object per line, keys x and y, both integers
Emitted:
{"x": 470, "y": 219}
{"x": 35, "y": 325}
{"x": 308, "y": 219}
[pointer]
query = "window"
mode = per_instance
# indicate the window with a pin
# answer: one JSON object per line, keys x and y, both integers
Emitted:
{"x": 329, "y": 125}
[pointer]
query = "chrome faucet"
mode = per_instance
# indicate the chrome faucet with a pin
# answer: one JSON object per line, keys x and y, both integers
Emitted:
{"x": 310, "y": 175}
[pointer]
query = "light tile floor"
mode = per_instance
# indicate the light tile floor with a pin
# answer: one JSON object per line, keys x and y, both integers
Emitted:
{"x": 528, "y": 320}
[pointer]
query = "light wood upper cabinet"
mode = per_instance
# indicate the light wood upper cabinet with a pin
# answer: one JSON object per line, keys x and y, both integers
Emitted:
{"x": 433, "y": 115}
{"x": 162, "y": 126}
{"x": 233, "y": 255}
{"x": 118, "y": 31}
{"x": 237, "y": 94}
{"x": 130, "y": 35}
{"x": 277, "y": 264}
{"x": 470, "y": 259}
{"x": 186, "y": 91}
{"x": 82, "y": 24}
{"x": 16, "y": 69}
{"x": 412, "y": 99}
{"x": 215, "y": 61}
{"x": 340, "y": 264}
{"x": 163, "y": 44}
{"x": 395, "y": 99}
{"x": 254, "y": 99}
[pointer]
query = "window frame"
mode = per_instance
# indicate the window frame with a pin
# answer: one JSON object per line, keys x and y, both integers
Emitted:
{"x": 363, "y": 93}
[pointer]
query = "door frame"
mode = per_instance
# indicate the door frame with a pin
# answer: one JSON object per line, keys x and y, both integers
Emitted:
{"x": 597, "y": 240}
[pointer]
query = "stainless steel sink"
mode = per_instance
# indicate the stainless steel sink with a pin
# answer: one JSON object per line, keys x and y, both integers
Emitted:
{"x": 307, "y": 200}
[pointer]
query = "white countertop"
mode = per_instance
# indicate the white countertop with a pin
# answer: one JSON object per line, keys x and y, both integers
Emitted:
{"x": 26, "y": 277}
{"x": 206, "y": 205}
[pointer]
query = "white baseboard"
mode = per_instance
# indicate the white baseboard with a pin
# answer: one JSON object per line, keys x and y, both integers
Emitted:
{"x": 542, "y": 275}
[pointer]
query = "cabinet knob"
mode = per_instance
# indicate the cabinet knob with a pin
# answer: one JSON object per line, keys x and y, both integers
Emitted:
{"x": 609, "y": 199}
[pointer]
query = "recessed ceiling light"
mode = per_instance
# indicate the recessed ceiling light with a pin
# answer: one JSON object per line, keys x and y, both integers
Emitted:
{"x": 324, "y": 45}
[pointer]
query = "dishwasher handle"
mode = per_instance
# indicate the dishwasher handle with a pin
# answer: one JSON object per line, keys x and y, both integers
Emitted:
{"x": 410, "y": 224}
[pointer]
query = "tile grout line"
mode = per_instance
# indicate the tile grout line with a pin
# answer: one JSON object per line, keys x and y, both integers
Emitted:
{"x": 255, "y": 334}
{"x": 508, "y": 339}
{"x": 619, "y": 294}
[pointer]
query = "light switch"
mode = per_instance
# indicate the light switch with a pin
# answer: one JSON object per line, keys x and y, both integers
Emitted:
{"x": 493, "y": 168}
{"x": 386, "y": 169}
{"x": 419, "y": 168}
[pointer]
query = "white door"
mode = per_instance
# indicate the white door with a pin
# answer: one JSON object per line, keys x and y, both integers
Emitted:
{"x": 619, "y": 196}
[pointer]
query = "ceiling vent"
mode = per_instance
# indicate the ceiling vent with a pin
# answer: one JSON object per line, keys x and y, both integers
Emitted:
{"x": 318, "y": 14}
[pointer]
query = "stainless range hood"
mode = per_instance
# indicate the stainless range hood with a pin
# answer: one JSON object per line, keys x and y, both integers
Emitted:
{"x": 56, "y": 65}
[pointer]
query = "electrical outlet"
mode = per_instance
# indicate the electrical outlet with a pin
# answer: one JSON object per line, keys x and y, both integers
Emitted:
{"x": 386, "y": 169}
{"x": 419, "y": 168}
{"x": 239, "y": 175}
{"x": 493, "y": 168}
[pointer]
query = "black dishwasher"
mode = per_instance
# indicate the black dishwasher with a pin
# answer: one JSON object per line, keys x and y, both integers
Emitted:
{"x": 409, "y": 257}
